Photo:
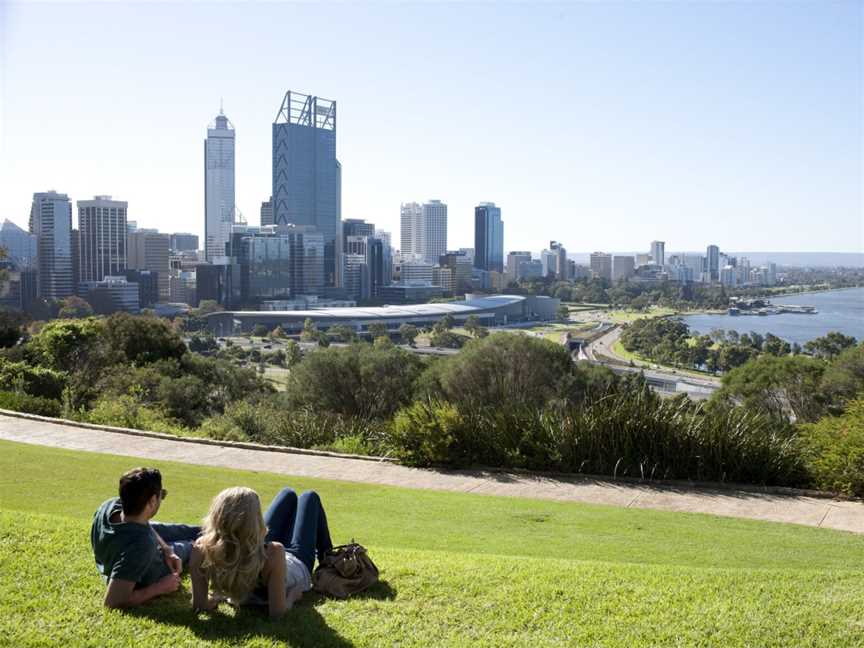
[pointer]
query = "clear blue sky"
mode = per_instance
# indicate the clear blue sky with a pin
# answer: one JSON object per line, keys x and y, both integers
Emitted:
{"x": 603, "y": 125}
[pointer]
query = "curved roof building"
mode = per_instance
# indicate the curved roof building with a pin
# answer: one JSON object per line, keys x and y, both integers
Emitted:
{"x": 491, "y": 309}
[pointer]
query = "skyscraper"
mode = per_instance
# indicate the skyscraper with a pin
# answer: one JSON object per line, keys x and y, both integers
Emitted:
{"x": 51, "y": 222}
{"x": 560, "y": 268}
{"x": 267, "y": 212}
{"x": 658, "y": 252}
{"x": 712, "y": 263}
{"x": 434, "y": 230}
{"x": 101, "y": 238}
{"x": 622, "y": 267}
{"x": 411, "y": 230}
{"x": 307, "y": 177}
{"x": 149, "y": 250}
{"x": 20, "y": 245}
{"x": 515, "y": 262}
{"x": 488, "y": 237}
{"x": 601, "y": 265}
{"x": 218, "y": 186}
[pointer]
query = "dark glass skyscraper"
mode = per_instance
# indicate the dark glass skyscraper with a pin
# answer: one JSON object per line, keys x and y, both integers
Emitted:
{"x": 488, "y": 238}
{"x": 307, "y": 181}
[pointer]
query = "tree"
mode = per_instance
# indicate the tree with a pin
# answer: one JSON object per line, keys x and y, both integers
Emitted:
{"x": 207, "y": 306}
{"x": 202, "y": 344}
{"x": 310, "y": 331}
{"x": 776, "y": 346}
{"x": 472, "y": 325}
{"x": 11, "y": 328}
{"x": 563, "y": 313}
{"x": 829, "y": 346}
{"x": 844, "y": 377}
{"x": 444, "y": 324}
{"x": 377, "y": 330}
{"x": 75, "y": 308}
{"x": 293, "y": 354}
{"x": 341, "y": 333}
{"x": 260, "y": 331}
{"x": 369, "y": 381}
{"x": 408, "y": 333}
{"x": 785, "y": 388}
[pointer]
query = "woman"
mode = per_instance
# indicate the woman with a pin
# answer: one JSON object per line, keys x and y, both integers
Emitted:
{"x": 238, "y": 557}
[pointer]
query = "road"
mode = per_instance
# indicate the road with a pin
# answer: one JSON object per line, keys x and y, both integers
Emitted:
{"x": 600, "y": 351}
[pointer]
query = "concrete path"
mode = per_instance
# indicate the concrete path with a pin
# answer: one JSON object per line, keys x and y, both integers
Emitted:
{"x": 811, "y": 511}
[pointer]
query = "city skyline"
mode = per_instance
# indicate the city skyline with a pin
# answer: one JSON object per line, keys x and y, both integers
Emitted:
{"x": 733, "y": 155}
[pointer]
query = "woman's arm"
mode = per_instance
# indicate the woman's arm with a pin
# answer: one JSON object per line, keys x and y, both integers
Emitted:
{"x": 200, "y": 583}
{"x": 275, "y": 569}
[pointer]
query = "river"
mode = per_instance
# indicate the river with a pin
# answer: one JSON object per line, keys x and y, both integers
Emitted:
{"x": 839, "y": 310}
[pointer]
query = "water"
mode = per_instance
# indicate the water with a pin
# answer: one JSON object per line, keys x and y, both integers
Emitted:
{"x": 839, "y": 310}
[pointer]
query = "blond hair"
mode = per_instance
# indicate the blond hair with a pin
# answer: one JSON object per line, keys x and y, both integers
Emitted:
{"x": 232, "y": 542}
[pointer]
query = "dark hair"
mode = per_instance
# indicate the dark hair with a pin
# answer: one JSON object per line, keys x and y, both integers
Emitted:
{"x": 137, "y": 487}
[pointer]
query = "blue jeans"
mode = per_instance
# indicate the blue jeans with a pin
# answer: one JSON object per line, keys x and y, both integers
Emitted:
{"x": 179, "y": 537}
{"x": 300, "y": 524}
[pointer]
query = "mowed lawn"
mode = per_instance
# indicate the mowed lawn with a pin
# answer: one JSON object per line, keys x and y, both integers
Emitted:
{"x": 457, "y": 570}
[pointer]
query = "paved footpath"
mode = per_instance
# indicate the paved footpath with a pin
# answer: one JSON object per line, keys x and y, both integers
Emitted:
{"x": 811, "y": 511}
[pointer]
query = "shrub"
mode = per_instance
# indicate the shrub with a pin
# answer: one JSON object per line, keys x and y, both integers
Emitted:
{"x": 426, "y": 432}
{"x": 19, "y": 402}
{"x": 125, "y": 411}
{"x": 833, "y": 448}
{"x": 36, "y": 381}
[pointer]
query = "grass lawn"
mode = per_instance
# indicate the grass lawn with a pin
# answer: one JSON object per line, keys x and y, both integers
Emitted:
{"x": 457, "y": 569}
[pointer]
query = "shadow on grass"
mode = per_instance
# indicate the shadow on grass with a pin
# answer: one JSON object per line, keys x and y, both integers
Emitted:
{"x": 301, "y": 627}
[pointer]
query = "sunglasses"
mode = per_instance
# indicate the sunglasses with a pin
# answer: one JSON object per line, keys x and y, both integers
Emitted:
{"x": 163, "y": 494}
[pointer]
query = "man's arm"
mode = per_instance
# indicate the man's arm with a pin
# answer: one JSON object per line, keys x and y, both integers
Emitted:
{"x": 122, "y": 593}
{"x": 172, "y": 560}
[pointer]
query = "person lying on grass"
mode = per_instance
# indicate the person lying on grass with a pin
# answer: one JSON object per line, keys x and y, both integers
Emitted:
{"x": 138, "y": 558}
{"x": 255, "y": 559}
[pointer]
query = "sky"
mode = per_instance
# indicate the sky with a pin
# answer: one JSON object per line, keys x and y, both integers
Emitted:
{"x": 601, "y": 125}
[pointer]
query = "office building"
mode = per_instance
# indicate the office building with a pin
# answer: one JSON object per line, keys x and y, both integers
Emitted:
{"x": 548, "y": 262}
{"x": 560, "y": 267}
{"x": 488, "y": 238}
{"x": 307, "y": 177}
{"x": 111, "y": 294}
{"x": 218, "y": 185}
{"x": 183, "y": 242}
{"x": 267, "y": 212}
{"x": 147, "y": 249}
{"x": 461, "y": 267}
{"x": 623, "y": 267}
{"x": 278, "y": 261}
{"x": 387, "y": 252}
{"x": 712, "y": 263}
{"x": 601, "y": 265}
{"x": 434, "y": 230}
{"x": 515, "y": 262}
{"x": 530, "y": 269}
{"x": 102, "y": 239}
{"x": 51, "y": 223}
{"x": 356, "y": 276}
{"x": 658, "y": 253}
{"x": 729, "y": 276}
{"x": 411, "y": 230}
{"x": 20, "y": 245}
{"x": 413, "y": 272}
{"x": 148, "y": 286}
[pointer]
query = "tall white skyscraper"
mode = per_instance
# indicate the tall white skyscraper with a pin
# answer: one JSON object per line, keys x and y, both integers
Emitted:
{"x": 411, "y": 230}
{"x": 434, "y": 230}
{"x": 658, "y": 252}
{"x": 51, "y": 222}
{"x": 218, "y": 186}
{"x": 102, "y": 233}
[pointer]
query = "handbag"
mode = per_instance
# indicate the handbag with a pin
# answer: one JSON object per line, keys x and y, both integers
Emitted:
{"x": 345, "y": 570}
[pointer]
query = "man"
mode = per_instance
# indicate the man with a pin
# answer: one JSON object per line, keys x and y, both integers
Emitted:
{"x": 133, "y": 554}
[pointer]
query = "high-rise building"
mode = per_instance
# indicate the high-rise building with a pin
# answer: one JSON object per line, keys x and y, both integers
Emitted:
{"x": 219, "y": 204}
{"x": 515, "y": 261}
{"x": 488, "y": 238}
{"x": 307, "y": 177}
{"x": 411, "y": 230}
{"x": 548, "y": 262}
{"x": 601, "y": 265}
{"x": 183, "y": 242}
{"x": 20, "y": 246}
{"x": 712, "y": 262}
{"x": 150, "y": 250}
{"x": 356, "y": 227}
{"x": 51, "y": 222}
{"x": 560, "y": 267}
{"x": 267, "y": 212}
{"x": 102, "y": 239}
{"x": 658, "y": 252}
{"x": 623, "y": 267}
{"x": 461, "y": 266}
{"x": 278, "y": 261}
{"x": 387, "y": 252}
{"x": 434, "y": 230}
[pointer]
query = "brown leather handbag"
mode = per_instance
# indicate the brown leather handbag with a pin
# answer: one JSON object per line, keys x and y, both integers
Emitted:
{"x": 345, "y": 570}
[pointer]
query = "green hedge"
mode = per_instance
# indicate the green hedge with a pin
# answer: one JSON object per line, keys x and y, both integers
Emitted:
{"x": 30, "y": 404}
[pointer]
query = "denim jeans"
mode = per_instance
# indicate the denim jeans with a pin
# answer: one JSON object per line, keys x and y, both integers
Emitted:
{"x": 300, "y": 524}
{"x": 179, "y": 537}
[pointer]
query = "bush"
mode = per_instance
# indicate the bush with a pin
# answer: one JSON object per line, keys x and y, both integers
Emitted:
{"x": 125, "y": 411}
{"x": 30, "y": 404}
{"x": 833, "y": 449}
{"x": 36, "y": 381}
{"x": 425, "y": 432}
